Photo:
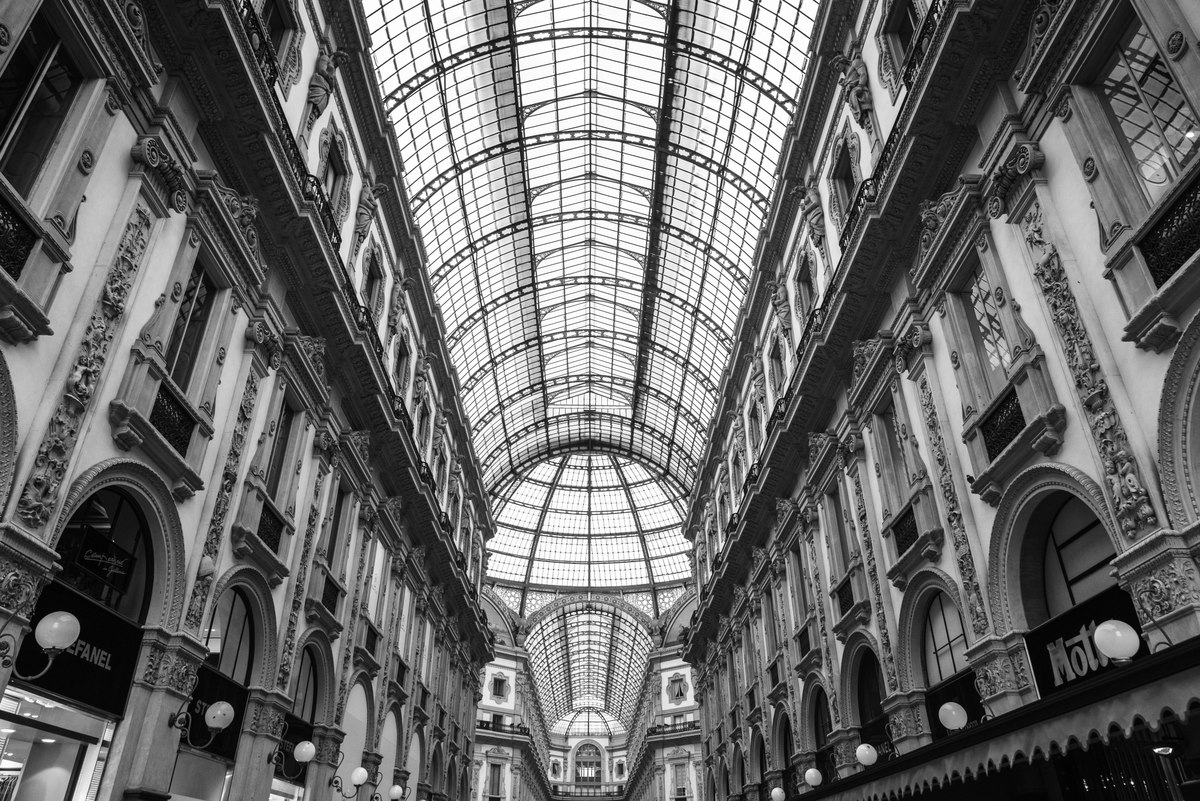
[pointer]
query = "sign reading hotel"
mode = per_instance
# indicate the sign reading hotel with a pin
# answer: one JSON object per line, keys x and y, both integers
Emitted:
{"x": 1063, "y": 652}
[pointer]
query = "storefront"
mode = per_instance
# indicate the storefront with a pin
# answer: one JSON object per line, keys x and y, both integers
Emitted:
{"x": 56, "y": 728}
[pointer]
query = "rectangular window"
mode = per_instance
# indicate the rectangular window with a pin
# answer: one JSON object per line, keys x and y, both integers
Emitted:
{"x": 843, "y": 179}
{"x": 372, "y": 288}
{"x": 905, "y": 23}
{"x": 36, "y": 90}
{"x": 679, "y": 780}
{"x": 495, "y": 781}
{"x": 275, "y": 23}
{"x": 1157, "y": 127}
{"x": 335, "y": 527}
{"x": 335, "y": 171}
{"x": 991, "y": 347}
{"x": 191, "y": 322}
{"x": 279, "y": 447}
{"x": 839, "y": 539}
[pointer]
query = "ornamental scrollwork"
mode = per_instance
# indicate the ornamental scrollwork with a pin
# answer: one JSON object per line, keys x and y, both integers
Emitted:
{"x": 1166, "y": 589}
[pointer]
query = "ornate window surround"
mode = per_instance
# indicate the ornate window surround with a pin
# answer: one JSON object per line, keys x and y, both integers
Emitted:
{"x": 955, "y": 239}
{"x": 1124, "y": 215}
{"x": 846, "y": 142}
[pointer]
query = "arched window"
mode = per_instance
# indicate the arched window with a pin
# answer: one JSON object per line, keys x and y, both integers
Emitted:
{"x": 105, "y": 550}
{"x": 872, "y": 720}
{"x": 587, "y": 764}
{"x": 945, "y": 651}
{"x": 230, "y": 638}
{"x": 822, "y": 727}
{"x": 1077, "y": 553}
{"x": 304, "y": 704}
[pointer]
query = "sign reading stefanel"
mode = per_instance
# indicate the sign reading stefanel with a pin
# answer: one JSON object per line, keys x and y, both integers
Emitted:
{"x": 97, "y": 670}
{"x": 1063, "y": 651}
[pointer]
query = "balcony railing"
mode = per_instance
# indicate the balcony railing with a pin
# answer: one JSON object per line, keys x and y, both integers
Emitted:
{"x": 271, "y": 526}
{"x": 1175, "y": 237}
{"x": 905, "y": 530}
{"x": 508, "y": 728}
{"x": 17, "y": 239}
{"x": 172, "y": 418}
{"x": 672, "y": 728}
{"x": 921, "y": 42}
{"x": 260, "y": 42}
{"x": 1003, "y": 424}
{"x": 585, "y": 791}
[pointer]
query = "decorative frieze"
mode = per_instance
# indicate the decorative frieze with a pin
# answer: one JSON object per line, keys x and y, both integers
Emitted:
{"x": 818, "y": 592}
{"x": 301, "y": 582}
{"x": 954, "y": 519}
{"x": 170, "y": 669}
{"x": 885, "y": 640}
{"x": 1126, "y": 489}
{"x": 50, "y": 465}
{"x": 216, "y": 524}
{"x": 1167, "y": 588}
{"x": 352, "y": 627}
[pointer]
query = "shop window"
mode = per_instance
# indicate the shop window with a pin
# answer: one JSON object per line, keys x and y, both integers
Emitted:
{"x": 822, "y": 729}
{"x": 872, "y": 720}
{"x": 587, "y": 764}
{"x": 37, "y": 88}
{"x": 1077, "y": 554}
{"x": 230, "y": 637}
{"x": 1156, "y": 126}
{"x": 945, "y": 652}
{"x": 105, "y": 553}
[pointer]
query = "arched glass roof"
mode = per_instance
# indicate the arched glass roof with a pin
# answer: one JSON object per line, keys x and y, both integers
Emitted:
{"x": 590, "y": 178}
{"x": 588, "y": 656}
{"x": 588, "y": 723}
{"x": 589, "y": 521}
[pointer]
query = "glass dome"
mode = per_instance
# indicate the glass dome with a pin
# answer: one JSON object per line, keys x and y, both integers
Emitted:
{"x": 588, "y": 723}
{"x": 589, "y": 521}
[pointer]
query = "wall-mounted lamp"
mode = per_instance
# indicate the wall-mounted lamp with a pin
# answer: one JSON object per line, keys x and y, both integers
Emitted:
{"x": 866, "y": 755}
{"x": 778, "y": 794}
{"x": 813, "y": 777}
{"x": 395, "y": 793}
{"x": 302, "y": 753}
{"x": 217, "y": 717}
{"x": 358, "y": 777}
{"x": 1117, "y": 640}
{"x": 954, "y": 717}
{"x": 55, "y": 633}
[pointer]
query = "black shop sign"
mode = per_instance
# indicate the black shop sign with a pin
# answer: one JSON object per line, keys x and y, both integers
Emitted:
{"x": 1063, "y": 652}
{"x": 97, "y": 670}
{"x": 212, "y": 687}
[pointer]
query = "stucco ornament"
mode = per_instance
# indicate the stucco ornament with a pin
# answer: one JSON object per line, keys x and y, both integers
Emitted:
{"x": 1126, "y": 490}
{"x": 1166, "y": 589}
{"x": 50, "y": 465}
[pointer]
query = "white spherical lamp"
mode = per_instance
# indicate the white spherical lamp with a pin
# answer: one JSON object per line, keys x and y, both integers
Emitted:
{"x": 358, "y": 776}
{"x": 866, "y": 755}
{"x": 952, "y": 715}
{"x": 57, "y": 631}
{"x": 218, "y": 716}
{"x": 1117, "y": 640}
{"x": 304, "y": 752}
{"x": 813, "y": 777}
{"x": 777, "y": 794}
{"x": 395, "y": 792}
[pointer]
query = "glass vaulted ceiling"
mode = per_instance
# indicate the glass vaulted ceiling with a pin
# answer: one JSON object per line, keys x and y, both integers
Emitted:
{"x": 589, "y": 178}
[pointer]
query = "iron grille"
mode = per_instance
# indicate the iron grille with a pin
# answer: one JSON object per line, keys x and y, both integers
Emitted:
{"x": 329, "y": 596}
{"x": 1175, "y": 238}
{"x": 16, "y": 240}
{"x": 905, "y": 531}
{"x": 845, "y": 597}
{"x": 270, "y": 527}
{"x": 1002, "y": 425}
{"x": 260, "y": 43}
{"x": 922, "y": 42}
{"x": 171, "y": 417}
{"x": 316, "y": 195}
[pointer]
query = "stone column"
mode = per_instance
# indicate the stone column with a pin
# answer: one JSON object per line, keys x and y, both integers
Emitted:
{"x": 328, "y": 740}
{"x": 1159, "y": 572}
{"x": 261, "y": 735}
{"x": 142, "y": 759}
{"x": 907, "y": 726}
{"x": 845, "y": 741}
{"x": 26, "y": 566}
{"x": 1001, "y": 673}
{"x": 371, "y": 760}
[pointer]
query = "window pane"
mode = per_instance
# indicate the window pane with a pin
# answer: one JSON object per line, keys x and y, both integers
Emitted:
{"x": 985, "y": 322}
{"x": 187, "y": 334}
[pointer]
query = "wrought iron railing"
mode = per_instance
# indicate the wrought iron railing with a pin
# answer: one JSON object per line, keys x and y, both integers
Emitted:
{"x": 845, "y": 596}
{"x": 172, "y": 418}
{"x": 510, "y": 728}
{"x": 670, "y": 728}
{"x": 260, "y": 42}
{"x": 1003, "y": 424}
{"x": 922, "y": 42}
{"x": 904, "y": 529}
{"x": 17, "y": 239}
{"x": 1175, "y": 237}
{"x": 271, "y": 526}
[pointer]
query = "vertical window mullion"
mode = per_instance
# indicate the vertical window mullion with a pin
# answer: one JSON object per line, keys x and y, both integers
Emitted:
{"x": 31, "y": 90}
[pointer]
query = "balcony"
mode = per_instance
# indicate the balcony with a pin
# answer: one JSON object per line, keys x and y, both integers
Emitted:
{"x": 502, "y": 728}
{"x": 261, "y": 543}
{"x": 673, "y": 728}
{"x": 366, "y": 648}
{"x": 587, "y": 790}
{"x": 324, "y": 599}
